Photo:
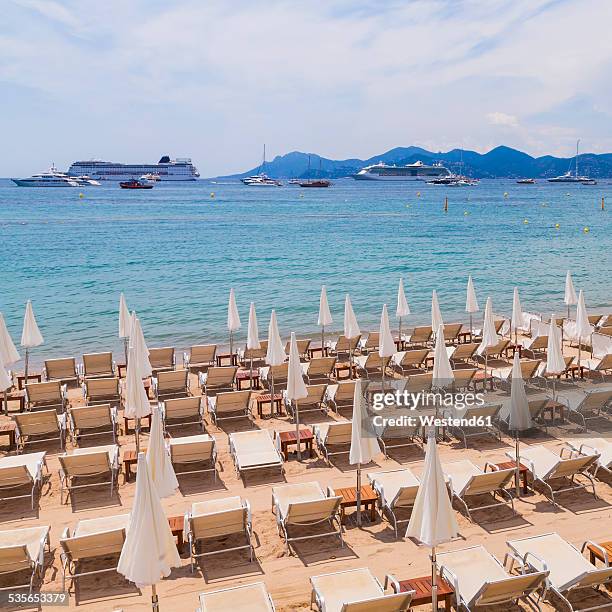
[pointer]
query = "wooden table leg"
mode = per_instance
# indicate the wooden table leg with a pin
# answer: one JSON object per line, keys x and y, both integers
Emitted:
{"x": 372, "y": 511}
{"x": 525, "y": 483}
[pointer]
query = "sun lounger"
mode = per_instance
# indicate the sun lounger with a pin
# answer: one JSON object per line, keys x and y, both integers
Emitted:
{"x": 86, "y": 421}
{"x": 595, "y": 319}
{"x": 536, "y": 408}
{"x": 341, "y": 395}
{"x": 181, "y": 411}
{"x": 485, "y": 423}
{"x": 568, "y": 570}
{"x": 499, "y": 324}
{"x": 466, "y": 479}
{"x": 171, "y": 383}
{"x": 420, "y": 336}
{"x": 493, "y": 352}
{"x": 230, "y": 405}
{"x": 419, "y": 382}
{"x": 586, "y": 406}
{"x": 601, "y": 366}
{"x": 371, "y": 364}
{"x": 200, "y": 357}
{"x": 302, "y": 345}
{"x": 344, "y": 345}
{"x": 356, "y": 590}
{"x": 548, "y": 467}
{"x": 62, "y": 370}
{"x": 371, "y": 343}
{"x": 101, "y": 391}
{"x": 193, "y": 453}
{"x": 479, "y": 579}
{"x": 318, "y": 369}
{"x": 451, "y": 332}
{"x": 315, "y": 400}
{"x": 463, "y": 378}
{"x": 397, "y": 491}
{"x": 88, "y": 463}
{"x": 333, "y": 438}
{"x": 408, "y": 362}
{"x": 39, "y": 426}
{"x": 277, "y": 373}
{"x": 461, "y": 354}
{"x": 303, "y": 506}
{"x": 218, "y": 379}
{"x": 92, "y": 540}
{"x": 245, "y": 598}
{"x": 23, "y": 551}
{"x": 396, "y": 434}
{"x": 535, "y": 346}
{"x": 46, "y": 395}
{"x": 594, "y": 446}
{"x": 607, "y": 330}
{"x": 162, "y": 359}
{"x": 544, "y": 374}
{"x": 215, "y": 519}
{"x": 254, "y": 450}
{"x": 246, "y": 354}
{"x": 21, "y": 472}
{"x": 98, "y": 365}
{"x": 529, "y": 370}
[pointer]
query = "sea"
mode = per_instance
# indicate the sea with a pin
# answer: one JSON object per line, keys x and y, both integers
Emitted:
{"x": 176, "y": 250}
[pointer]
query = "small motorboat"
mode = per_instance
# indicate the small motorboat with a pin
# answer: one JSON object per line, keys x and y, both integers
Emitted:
{"x": 315, "y": 183}
{"x": 135, "y": 184}
{"x": 526, "y": 181}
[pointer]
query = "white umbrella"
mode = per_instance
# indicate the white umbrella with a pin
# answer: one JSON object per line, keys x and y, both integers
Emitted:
{"x": 432, "y": 521}
{"x": 275, "y": 354}
{"x": 517, "y": 320}
{"x": 436, "y": 315}
{"x": 5, "y": 384}
{"x": 253, "y": 343}
{"x": 125, "y": 323}
{"x": 583, "y": 327}
{"x": 158, "y": 459}
{"x": 555, "y": 364}
{"x": 136, "y": 403}
{"x": 403, "y": 310}
{"x": 364, "y": 445}
{"x": 471, "y": 303}
{"x": 325, "y": 318}
{"x": 149, "y": 552}
{"x": 386, "y": 345}
{"x": 296, "y": 389}
{"x": 233, "y": 321}
{"x": 442, "y": 372}
{"x": 351, "y": 327}
{"x": 8, "y": 352}
{"x": 569, "y": 298}
{"x": 30, "y": 336}
{"x": 143, "y": 365}
{"x": 519, "y": 418}
{"x": 489, "y": 335}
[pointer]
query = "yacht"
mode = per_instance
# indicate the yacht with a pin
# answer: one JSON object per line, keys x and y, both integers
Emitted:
{"x": 526, "y": 181}
{"x": 51, "y": 178}
{"x": 418, "y": 171}
{"x": 568, "y": 177}
{"x": 261, "y": 179}
{"x": 151, "y": 177}
{"x": 454, "y": 180}
{"x": 86, "y": 180}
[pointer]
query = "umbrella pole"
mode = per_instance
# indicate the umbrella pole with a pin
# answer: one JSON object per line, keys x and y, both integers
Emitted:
{"x": 154, "y": 599}
{"x": 358, "y": 495}
{"x": 251, "y": 374}
{"x": 125, "y": 350}
{"x": 322, "y": 340}
{"x": 350, "y": 362}
{"x": 297, "y": 430}
{"x": 231, "y": 347}
{"x": 486, "y": 362}
{"x": 517, "y": 471}
{"x": 471, "y": 328}
{"x": 27, "y": 355}
{"x": 399, "y": 335}
{"x": 137, "y": 434}
{"x": 271, "y": 392}
{"x": 579, "y": 348}
{"x": 6, "y": 402}
{"x": 434, "y": 581}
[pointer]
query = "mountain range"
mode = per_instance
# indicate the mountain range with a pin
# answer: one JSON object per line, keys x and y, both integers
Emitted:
{"x": 500, "y": 162}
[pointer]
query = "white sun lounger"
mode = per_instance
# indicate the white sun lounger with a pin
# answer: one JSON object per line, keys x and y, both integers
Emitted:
{"x": 396, "y": 434}
{"x": 568, "y": 569}
{"x": 246, "y": 598}
{"x": 39, "y": 426}
{"x": 319, "y": 369}
{"x": 333, "y": 438}
{"x": 193, "y": 454}
{"x": 19, "y": 472}
{"x": 304, "y": 505}
{"x": 23, "y": 550}
{"x": 98, "y": 420}
{"x": 594, "y": 446}
{"x": 254, "y": 450}
{"x": 479, "y": 579}
{"x": 341, "y": 395}
{"x": 601, "y": 366}
{"x": 587, "y": 405}
{"x": 410, "y": 361}
{"x": 486, "y": 416}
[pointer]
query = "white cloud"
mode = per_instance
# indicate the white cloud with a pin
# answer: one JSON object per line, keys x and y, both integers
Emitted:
{"x": 504, "y": 119}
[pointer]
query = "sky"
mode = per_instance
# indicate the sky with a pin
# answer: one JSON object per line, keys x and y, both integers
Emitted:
{"x": 131, "y": 80}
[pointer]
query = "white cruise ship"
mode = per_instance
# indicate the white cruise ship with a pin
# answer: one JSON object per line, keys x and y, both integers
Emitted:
{"x": 410, "y": 172}
{"x": 180, "y": 169}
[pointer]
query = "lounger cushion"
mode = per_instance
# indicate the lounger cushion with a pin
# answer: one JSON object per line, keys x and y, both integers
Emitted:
{"x": 101, "y": 525}
{"x": 248, "y": 598}
{"x": 254, "y": 448}
{"x": 33, "y": 462}
{"x": 32, "y": 537}
{"x": 296, "y": 493}
{"x": 390, "y": 483}
{"x": 344, "y": 587}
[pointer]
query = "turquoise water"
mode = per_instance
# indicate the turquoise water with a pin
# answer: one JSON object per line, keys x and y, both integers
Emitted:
{"x": 175, "y": 252}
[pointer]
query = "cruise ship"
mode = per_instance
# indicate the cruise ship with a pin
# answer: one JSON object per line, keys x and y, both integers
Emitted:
{"x": 410, "y": 172}
{"x": 180, "y": 169}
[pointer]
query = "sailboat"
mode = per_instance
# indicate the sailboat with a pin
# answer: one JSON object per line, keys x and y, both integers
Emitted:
{"x": 568, "y": 177}
{"x": 320, "y": 182}
{"x": 261, "y": 179}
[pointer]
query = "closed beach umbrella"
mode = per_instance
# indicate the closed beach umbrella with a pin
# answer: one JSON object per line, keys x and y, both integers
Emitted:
{"x": 158, "y": 459}
{"x": 471, "y": 303}
{"x": 233, "y": 320}
{"x": 436, "y": 315}
{"x": 136, "y": 403}
{"x": 555, "y": 364}
{"x": 252, "y": 335}
{"x": 364, "y": 445}
{"x": 141, "y": 354}
{"x": 583, "y": 327}
{"x": 519, "y": 418}
{"x": 386, "y": 345}
{"x": 517, "y": 315}
{"x": 569, "y": 298}
{"x": 8, "y": 352}
{"x": 275, "y": 354}
{"x": 30, "y": 336}
{"x": 402, "y": 310}
{"x": 442, "y": 372}
{"x": 351, "y": 327}
{"x": 489, "y": 335}
{"x": 325, "y": 318}
{"x": 149, "y": 552}
{"x": 432, "y": 521}
{"x": 296, "y": 389}
{"x": 125, "y": 323}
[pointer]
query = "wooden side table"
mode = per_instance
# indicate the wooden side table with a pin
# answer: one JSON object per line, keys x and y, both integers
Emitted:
{"x": 349, "y": 500}
{"x": 554, "y": 407}
{"x": 313, "y": 350}
{"x": 8, "y": 429}
{"x": 345, "y": 368}
{"x": 32, "y": 377}
{"x": 422, "y": 588}
{"x": 523, "y": 472}
{"x": 266, "y": 398}
{"x": 244, "y": 377}
{"x": 228, "y": 359}
{"x": 130, "y": 458}
{"x": 289, "y": 438}
{"x": 597, "y": 555}
{"x": 126, "y": 420}
{"x": 176, "y": 527}
{"x": 15, "y": 396}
